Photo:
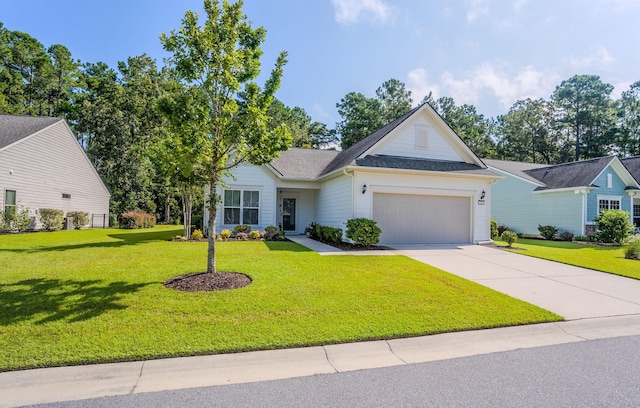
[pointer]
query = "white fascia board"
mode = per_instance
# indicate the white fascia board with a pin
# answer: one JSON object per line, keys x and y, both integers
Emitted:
{"x": 495, "y": 169}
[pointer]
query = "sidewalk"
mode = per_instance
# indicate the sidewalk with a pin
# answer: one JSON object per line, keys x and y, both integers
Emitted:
{"x": 46, "y": 385}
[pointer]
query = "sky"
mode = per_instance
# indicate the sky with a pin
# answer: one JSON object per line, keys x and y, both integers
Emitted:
{"x": 488, "y": 53}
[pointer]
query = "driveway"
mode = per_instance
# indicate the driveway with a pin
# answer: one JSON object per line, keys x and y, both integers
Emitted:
{"x": 572, "y": 292}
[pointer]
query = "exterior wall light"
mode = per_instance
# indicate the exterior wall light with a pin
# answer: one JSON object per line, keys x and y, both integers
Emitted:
{"x": 364, "y": 188}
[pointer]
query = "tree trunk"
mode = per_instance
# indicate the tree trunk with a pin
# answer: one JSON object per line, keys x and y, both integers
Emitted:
{"x": 167, "y": 209}
{"x": 187, "y": 205}
{"x": 211, "y": 226}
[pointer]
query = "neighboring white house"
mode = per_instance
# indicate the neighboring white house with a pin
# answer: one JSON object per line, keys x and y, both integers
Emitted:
{"x": 43, "y": 166}
{"x": 415, "y": 177}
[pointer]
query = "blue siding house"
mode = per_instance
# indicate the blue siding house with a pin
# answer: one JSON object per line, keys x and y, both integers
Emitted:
{"x": 568, "y": 196}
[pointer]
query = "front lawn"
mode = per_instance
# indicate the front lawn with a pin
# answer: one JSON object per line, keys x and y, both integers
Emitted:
{"x": 76, "y": 297}
{"x": 600, "y": 258}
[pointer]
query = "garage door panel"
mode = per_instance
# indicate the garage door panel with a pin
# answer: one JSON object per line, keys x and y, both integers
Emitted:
{"x": 407, "y": 218}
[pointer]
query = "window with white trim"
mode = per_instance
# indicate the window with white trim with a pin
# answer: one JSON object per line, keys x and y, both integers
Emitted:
{"x": 608, "y": 204}
{"x": 636, "y": 215}
{"x": 9, "y": 203}
{"x": 241, "y": 207}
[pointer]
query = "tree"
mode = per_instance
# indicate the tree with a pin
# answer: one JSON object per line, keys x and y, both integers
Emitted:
{"x": 361, "y": 116}
{"x": 584, "y": 107}
{"x": 220, "y": 61}
{"x": 628, "y": 141}
{"x": 395, "y": 99}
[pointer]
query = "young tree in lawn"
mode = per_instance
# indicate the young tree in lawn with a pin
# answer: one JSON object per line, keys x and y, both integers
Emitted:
{"x": 220, "y": 60}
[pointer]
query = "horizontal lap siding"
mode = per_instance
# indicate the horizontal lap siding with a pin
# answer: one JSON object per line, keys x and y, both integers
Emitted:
{"x": 47, "y": 165}
{"x": 333, "y": 204}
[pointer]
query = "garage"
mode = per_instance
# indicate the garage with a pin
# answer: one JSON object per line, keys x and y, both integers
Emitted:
{"x": 429, "y": 219}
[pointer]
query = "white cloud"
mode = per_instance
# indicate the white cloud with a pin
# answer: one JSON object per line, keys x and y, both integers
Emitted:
{"x": 598, "y": 58}
{"x": 486, "y": 82}
{"x": 352, "y": 11}
{"x": 476, "y": 9}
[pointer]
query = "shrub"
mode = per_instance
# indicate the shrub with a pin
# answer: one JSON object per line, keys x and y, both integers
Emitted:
{"x": 242, "y": 228}
{"x": 509, "y": 237}
{"x": 80, "y": 218}
{"x": 613, "y": 226}
{"x": 494, "y": 229}
{"x": 329, "y": 234}
{"x": 566, "y": 236}
{"x": 137, "y": 219}
{"x": 363, "y": 231}
{"x": 632, "y": 251}
{"x": 547, "y": 231}
{"x": 197, "y": 234}
{"x": 17, "y": 220}
{"x": 225, "y": 234}
{"x": 271, "y": 229}
{"x": 254, "y": 235}
{"x": 51, "y": 219}
{"x": 502, "y": 228}
{"x": 241, "y": 236}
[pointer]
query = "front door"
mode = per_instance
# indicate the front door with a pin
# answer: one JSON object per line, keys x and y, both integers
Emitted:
{"x": 289, "y": 214}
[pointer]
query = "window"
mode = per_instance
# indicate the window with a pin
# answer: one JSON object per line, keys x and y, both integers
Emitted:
{"x": 241, "y": 207}
{"x": 636, "y": 215}
{"x": 66, "y": 196}
{"x": 608, "y": 204}
{"x": 9, "y": 203}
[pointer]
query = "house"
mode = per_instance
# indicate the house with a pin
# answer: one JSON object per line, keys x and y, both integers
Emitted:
{"x": 43, "y": 166}
{"x": 414, "y": 176}
{"x": 633, "y": 165}
{"x": 568, "y": 196}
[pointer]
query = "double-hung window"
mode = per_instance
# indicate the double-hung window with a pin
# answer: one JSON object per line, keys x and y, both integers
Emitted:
{"x": 9, "y": 203}
{"x": 241, "y": 207}
{"x": 608, "y": 203}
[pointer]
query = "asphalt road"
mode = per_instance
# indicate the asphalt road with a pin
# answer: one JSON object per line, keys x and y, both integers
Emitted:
{"x": 598, "y": 373}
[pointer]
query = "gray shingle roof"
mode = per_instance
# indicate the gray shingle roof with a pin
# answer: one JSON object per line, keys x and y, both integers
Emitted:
{"x": 633, "y": 165}
{"x": 303, "y": 163}
{"x": 408, "y": 163}
{"x": 348, "y": 156}
{"x": 14, "y": 128}
{"x": 566, "y": 175}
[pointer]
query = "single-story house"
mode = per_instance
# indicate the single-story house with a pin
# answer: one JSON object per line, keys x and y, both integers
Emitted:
{"x": 42, "y": 165}
{"x": 414, "y": 176}
{"x": 568, "y": 196}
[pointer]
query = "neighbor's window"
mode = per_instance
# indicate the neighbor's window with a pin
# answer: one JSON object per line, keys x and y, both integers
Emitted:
{"x": 241, "y": 207}
{"x": 608, "y": 204}
{"x": 9, "y": 203}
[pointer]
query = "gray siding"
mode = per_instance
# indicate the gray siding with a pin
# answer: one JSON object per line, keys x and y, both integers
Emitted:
{"x": 48, "y": 164}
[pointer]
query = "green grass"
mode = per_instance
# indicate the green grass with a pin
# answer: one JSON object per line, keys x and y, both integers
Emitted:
{"x": 77, "y": 297}
{"x": 600, "y": 258}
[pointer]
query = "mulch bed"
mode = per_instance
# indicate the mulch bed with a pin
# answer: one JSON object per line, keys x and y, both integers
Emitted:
{"x": 345, "y": 246}
{"x": 208, "y": 281}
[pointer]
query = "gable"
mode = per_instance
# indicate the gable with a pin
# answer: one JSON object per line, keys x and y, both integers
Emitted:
{"x": 419, "y": 138}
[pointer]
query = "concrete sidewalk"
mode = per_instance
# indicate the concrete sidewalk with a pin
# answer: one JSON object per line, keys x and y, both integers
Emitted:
{"x": 597, "y": 305}
{"x": 91, "y": 381}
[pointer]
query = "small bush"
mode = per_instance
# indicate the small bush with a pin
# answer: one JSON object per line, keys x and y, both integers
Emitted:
{"x": 17, "y": 220}
{"x": 136, "y": 220}
{"x": 509, "y": 237}
{"x": 242, "y": 228}
{"x": 241, "y": 236}
{"x": 502, "y": 228}
{"x": 632, "y": 251}
{"x": 363, "y": 231}
{"x": 494, "y": 229}
{"x": 225, "y": 234}
{"x": 197, "y": 234}
{"x": 547, "y": 231}
{"x": 614, "y": 226}
{"x": 329, "y": 234}
{"x": 566, "y": 236}
{"x": 80, "y": 218}
{"x": 51, "y": 219}
{"x": 254, "y": 235}
{"x": 271, "y": 229}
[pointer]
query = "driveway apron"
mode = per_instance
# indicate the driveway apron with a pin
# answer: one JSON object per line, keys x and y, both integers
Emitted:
{"x": 572, "y": 292}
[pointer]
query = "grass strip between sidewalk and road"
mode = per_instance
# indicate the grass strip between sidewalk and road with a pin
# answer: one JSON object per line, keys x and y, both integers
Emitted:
{"x": 96, "y": 296}
{"x": 608, "y": 259}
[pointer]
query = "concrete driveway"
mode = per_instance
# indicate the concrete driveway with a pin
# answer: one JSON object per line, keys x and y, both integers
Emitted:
{"x": 572, "y": 292}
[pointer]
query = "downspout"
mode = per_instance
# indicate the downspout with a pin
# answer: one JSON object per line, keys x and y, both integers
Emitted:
{"x": 353, "y": 180}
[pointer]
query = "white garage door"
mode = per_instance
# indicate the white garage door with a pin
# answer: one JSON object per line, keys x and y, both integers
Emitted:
{"x": 406, "y": 218}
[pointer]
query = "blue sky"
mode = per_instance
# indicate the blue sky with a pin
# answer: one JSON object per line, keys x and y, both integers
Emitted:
{"x": 488, "y": 53}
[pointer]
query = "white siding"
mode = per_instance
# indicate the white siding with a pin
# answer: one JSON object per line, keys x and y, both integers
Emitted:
{"x": 334, "y": 202}
{"x": 426, "y": 184}
{"x": 305, "y": 207}
{"x": 48, "y": 164}
{"x": 403, "y": 142}
{"x": 249, "y": 177}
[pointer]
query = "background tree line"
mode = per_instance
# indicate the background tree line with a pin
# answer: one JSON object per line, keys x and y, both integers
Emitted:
{"x": 114, "y": 113}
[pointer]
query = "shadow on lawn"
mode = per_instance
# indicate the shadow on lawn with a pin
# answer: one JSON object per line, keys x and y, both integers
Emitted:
{"x": 124, "y": 239}
{"x": 50, "y": 300}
